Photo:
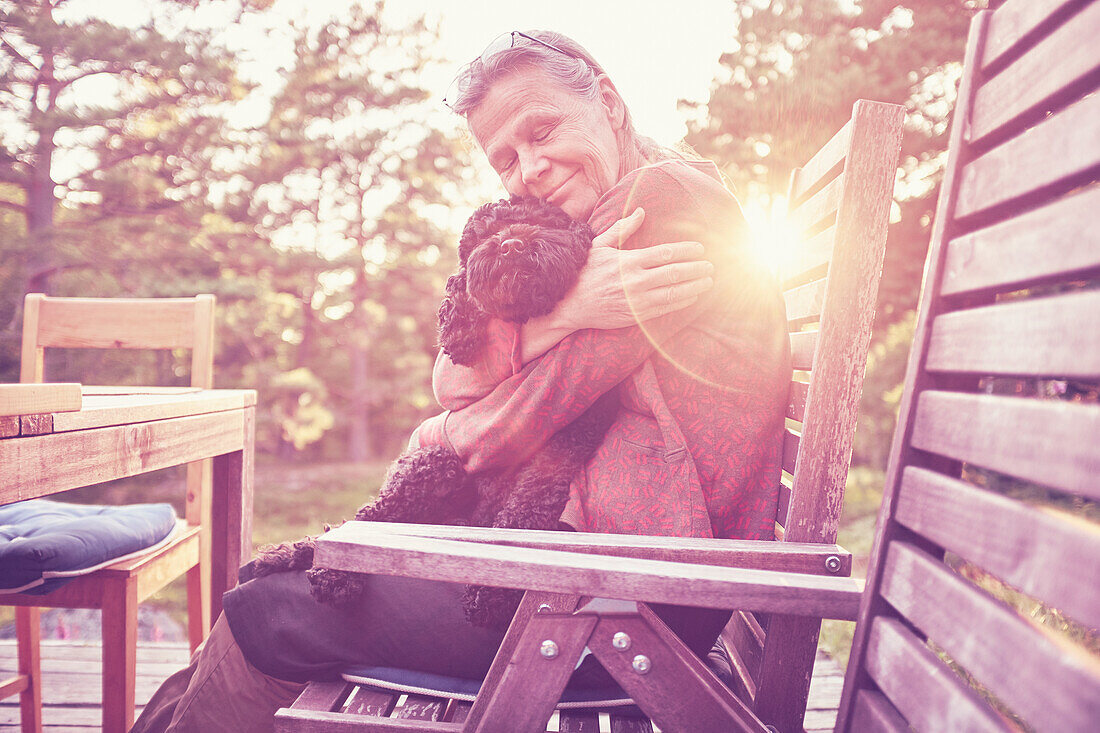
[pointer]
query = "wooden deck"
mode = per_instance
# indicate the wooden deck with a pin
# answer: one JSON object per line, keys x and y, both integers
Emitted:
{"x": 71, "y": 689}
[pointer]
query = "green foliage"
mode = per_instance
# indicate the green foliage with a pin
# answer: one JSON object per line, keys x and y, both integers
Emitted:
{"x": 790, "y": 81}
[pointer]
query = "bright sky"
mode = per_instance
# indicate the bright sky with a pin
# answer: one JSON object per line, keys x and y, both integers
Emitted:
{"x": 656, "y": 51}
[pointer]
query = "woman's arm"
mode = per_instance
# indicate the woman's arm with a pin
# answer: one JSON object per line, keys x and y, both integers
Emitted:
{"x": 522, "y": 412}
{"x": 598, "y": 300}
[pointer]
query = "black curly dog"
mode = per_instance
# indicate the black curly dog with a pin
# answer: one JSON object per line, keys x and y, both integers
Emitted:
{"x": 517, "y": 258}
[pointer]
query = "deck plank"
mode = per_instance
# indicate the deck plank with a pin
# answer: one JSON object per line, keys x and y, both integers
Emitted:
{"x": 71, "y": 687}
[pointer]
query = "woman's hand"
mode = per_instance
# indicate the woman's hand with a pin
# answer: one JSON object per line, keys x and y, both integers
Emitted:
{"x": 618, "y": 288}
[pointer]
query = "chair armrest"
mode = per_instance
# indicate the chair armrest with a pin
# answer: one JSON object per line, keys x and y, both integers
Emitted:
{"x": 794, "y": 557}
{"x": 366, "y": 548}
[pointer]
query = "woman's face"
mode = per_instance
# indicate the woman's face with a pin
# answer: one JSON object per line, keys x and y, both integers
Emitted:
{"x": 544, "y": 140}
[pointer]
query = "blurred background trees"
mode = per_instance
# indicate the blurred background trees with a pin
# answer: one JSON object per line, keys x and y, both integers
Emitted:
{"x": 323, "y": 210}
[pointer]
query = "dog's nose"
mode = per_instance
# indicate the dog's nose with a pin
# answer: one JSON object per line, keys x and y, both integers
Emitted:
{"x": 511, "y": 245}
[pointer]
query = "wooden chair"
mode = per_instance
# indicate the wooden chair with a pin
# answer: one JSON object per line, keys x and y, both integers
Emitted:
{"x": 100, "y": 323}
{"x": 986, "y": 459}
{"x": 987, "y": 456}
{"x": 841, "y": 201}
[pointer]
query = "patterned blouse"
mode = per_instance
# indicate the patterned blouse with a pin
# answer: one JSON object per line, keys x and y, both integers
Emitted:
{"x": 696, "y": 447}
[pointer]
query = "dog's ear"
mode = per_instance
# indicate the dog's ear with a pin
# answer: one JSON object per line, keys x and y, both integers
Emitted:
{"x": 462, "y": 325}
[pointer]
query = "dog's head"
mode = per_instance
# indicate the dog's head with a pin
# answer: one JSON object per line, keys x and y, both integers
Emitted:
{"x": 521, "y": 256}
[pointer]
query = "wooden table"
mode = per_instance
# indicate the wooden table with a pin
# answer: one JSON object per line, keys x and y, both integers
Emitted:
{"x": 125, "y": 431}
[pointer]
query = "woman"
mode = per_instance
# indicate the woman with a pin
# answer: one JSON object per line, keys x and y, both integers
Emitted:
{"x": 696, "y": 349}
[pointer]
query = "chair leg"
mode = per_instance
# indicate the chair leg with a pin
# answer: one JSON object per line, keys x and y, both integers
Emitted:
{"x": 119, "y": 654}
{"x": 198, "y": 601}
{"x": 28, "y": 634}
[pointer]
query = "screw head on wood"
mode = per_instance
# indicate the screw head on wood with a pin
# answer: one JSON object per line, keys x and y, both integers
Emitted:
{"x": 549, "y": 649}
{"x": 832, "y": 564}
{"x": 543, "y": 608}
{"x": 621, "y": 641}
{"x": 641, "y": 664}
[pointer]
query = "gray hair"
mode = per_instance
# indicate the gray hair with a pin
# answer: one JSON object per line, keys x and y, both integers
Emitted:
{"x": 574, "y": 68}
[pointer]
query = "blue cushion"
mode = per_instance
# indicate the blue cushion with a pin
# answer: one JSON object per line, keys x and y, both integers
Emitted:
{"x": 39, "y": 538}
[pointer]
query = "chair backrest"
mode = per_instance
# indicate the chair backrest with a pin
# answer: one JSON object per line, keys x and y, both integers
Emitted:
{"x": 997, "y": 450}
{"x": 119, "y": 323}
{"x": 127, "y": 323}
{"x": 839, "y": 203}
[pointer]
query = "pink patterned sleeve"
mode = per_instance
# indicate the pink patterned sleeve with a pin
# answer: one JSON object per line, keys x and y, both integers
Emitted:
{"x": 523, "y": 411}
{"x": 457, "y": 386}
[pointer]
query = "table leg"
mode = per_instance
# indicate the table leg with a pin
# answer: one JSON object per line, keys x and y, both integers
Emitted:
{"x": 231, "y": 530}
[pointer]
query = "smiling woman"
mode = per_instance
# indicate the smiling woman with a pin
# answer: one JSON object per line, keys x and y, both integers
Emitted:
{"x": 692, "y": 353}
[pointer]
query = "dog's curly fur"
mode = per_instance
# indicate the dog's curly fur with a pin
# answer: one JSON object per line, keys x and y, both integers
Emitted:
{"x": 518, "y": 258}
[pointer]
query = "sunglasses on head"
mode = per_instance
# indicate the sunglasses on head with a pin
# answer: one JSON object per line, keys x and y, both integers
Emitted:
{"x": 503, "y": 42}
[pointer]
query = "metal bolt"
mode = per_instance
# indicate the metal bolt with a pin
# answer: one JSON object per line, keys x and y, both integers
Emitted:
{"x": 549, "y": 649}
{"x": 621, "y": 641}
{"x": 543, "y": 608}
{"x": 832, "y": 564}
{"x": 641, "y": 664}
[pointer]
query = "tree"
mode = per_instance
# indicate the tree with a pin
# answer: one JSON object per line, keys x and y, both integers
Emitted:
{"x": 345, "y": 184}
{"x": 116, "y": 124}
{"x": 790, "y": 82}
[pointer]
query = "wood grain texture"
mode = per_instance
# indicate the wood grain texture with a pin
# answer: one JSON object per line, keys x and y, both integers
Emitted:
{"x": 352, "y": 547}
{"x": 857, "y": 677}
{"x": 368, "y": 701}
{"x": 35, "y": 424}
{"x": 1052, "y": 685}
{"x": 1049, "y": 442}
{"x": 798, "y": 557}
{"x": 326, "y": 696}
{"x": 678, "y": 692}
{"x": 804, "y": 349}
{"x": 824, "y": 164}
{"x": 796, "y": 399}
{"x": 819, "y": 208}
{"x": 534, "y": 678}
{"x": 1054, "y": 152}
{"x": 9, "y": 426}
{"x": 873, "y": 713}
{"x": 289, "y": 720}
{"x": 48, "y": 464}
{"x": 104, "y": 410}
{"x": 1030, "y": 84}
{"x": 1016, "y": 22}
{"x": 923, "y": 689}
{"x": 119, "y": 623}
{"x": 1040, "y": 337}
{"x": 422, "y": 707}
{"x": 116, "y": 323}
{"x": 34, "y": 399}
{"x": 1015, "y": 542}
{"x": 1016, "y": 252}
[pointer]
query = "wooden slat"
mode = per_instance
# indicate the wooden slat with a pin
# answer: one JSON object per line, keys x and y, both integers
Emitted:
{"x": 422, "y": 707}
{"x": 818, "y": 207}
{"x": 1060, "y": 60}
{"x": 101, "y": 411}
{"x": 1056, "y": 151}
{"x": 1017, "y": 543}
{"x": 689, "y": 696}
{"x": 801, "y": 557}
{"x": 360, "y": 549}
{"x": 920, "y": 686}
{"x": 804, "y": 302}
{"x": 371, "y": 701}
{"x": 37, "y": 469}
{"x": 33, "y": 399}
{"x": 1016, "y": 21}
{"x": 35, "y": 424}
{"x": 622, "y": 723}
{"x": 796, "y": 400}
{"x": 1049, "y": 442}
{"x": 790, "y": 450}
{"x": 1034, "y": 337}
{"x": 116, "y": 323}
{"x": 783, "y": 507}
{"x": 1050, "y": 684}
{"x": 810, "y": 256}
{"x": 825, "y": 163}
{"x": 873, "y": 713}
{"x": 744, "y": 636}
{"x": 9, "y": 426}
{"x": 326, "y": 696}
{"x": 803, "y": 346}
{"x": 289, "y": 720}
{"x": 578, "y": 721}
{"x": 1016, "y": 252}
